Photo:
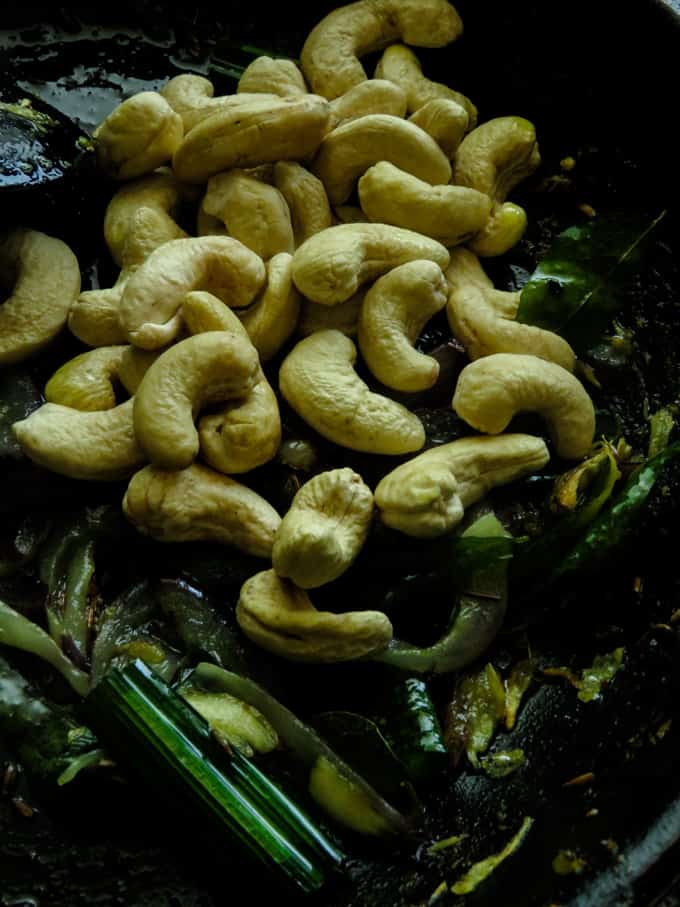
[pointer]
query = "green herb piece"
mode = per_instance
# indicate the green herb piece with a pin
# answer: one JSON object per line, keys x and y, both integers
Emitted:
{"x": 603, "y": 669}
{"x": 503, "y": 763}
{"x": 446, "y": 844}
{"x": 661, "y": 425}
{"x": 474, "y": 713}
{"x": 516, "y": 686}
{"x": 567, "y": 862}
{"x": 234, "y": 723}
{"x": 482, "y": 870}
{"x": 118, "y": 624}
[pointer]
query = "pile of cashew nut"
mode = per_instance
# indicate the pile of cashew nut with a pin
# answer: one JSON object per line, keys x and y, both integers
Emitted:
{"x": 326, "y": 205}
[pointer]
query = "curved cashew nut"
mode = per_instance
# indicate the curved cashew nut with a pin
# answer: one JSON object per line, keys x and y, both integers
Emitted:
{"x": 330, "y": 54}
{"x": 272, "y": 76}
{"x": 43, "y": 278}
{"x": 332, "y": 265}
{"x": 343, "y": 317}
{"x": 197, "y": 504}
{"x": 252, "y": 212}
{"x": 134, "y": 364}
{"x": 192, "y": 98}
{"x": 371, "y": 96}
{"x": 139, "y": 135}
{"x": 280, "y": 618}
{"x": 272, "y": 318}
{"x": 503, "y": 230}
{"x": 253, "y": 133}
{"x": 394, "y": 312}
{"x": 445, "y": 120}
{"x": 245, "y": 433}
{"x": 426, "y": 497}
{"x": 318, "y": 380}
{"x": 306, "y": 198}
{"x": 400, "y": 65}
{"x": 349, "y": 150}
{"x": 95, "y": 446}
{"x": 206, "y": 368}
{"x": 492, "y": 390}
{"x": 449, "y": 214}
{"x": 149, "y": 309}
{"x": 88, "y": 382}
{"x": 324, "y": 530}
{"x": 483, "y": 318}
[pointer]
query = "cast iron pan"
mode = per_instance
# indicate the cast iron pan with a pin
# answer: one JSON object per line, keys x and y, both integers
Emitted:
{"x": 597, "y": 79}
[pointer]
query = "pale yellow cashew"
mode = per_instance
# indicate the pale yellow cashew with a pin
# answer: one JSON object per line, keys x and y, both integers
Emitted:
{"x": 342, "y": 317}
{"x": 445, "y": 120}
{"x": 134, "y": 364}
{"x": 491, "y": 391}
{"x": 318, "y": 380}
{"x": 149, "y": 309}
{"x": 427, "y": 496}
{"x": 251, "y": 211}
{"x": 95, "y": 446}
{"x": 371, "y": 96}
{"x": 483, "y": 318}
{"x": 40, "y": 278}
{"x": 449, "y": 214}
{"x": 350, "y": 214}
{"x": 330, "y": 56}
{"x": 87, "y": 382}
{"x": 400, "y": 65}
{"x": 198, "y": 504}
{"x": 139, "y": 135}
{"x": 332, "y": 265}
{"x": 250, "y": 134}
{"x": 504, "y": 229}
{"x": 272, "y": 76}
{"x": 349, "y": 150}
{"x": 324, "y": 530}
{"x": 279, "y": 617}
{"x": 394, "y": 312}
{"x": 192, "y": 98}
{"x": 306, "y": 198}
{"x": 208, "y": 368}
{"x": 272, "y": 318}
{"x": 245, "y": 433}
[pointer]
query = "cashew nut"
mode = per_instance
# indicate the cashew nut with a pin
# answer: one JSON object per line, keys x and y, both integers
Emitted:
{"x": 332, "y": 265}
{"x": 349, "y": 150}
{"x": 492, "y": 390}
{"x": 134, "y": 364}
{"x": 280, "y": 618}
{"x": 318, "y": 380}
{"x": 394, "y": 312}
{"x": 87, "y": 382}
{"x": 371, "y": 96}
{"x": 272, "y": 318}
{"x": 252, "y": 212}
{"x": 197, "y": 504}
{"x": 95, "y": 446}
{"x": 207, "y": 368}
{"x": 350, "y": 214}
{"x": 256, "y": 132}
{"x": 272, "y": 76}
{"x": 324, "y": 530}
{"x": 342, "y": 317}
{"x": 483, "y": 318}
{"x": 449, "y": 214}
{"x": 503, "y": 230}
{"x": 426, "y": 496}
{"x": 139, "y": 135}
{"x": 149, "y": 309}
{"x": 400, "y": 65}
{"x": 41, "y": 279}
{"x": 445, "y": 120}
{"x": 330, "y": 54}
{"x": 192, "y": 98}
{"x": 306, "y": 199}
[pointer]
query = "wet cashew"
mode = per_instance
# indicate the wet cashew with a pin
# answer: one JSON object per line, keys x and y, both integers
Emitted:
{"x": 88, "y": 382}
{"x": 95, "y": 446}
{"x": 318, "y": 380}
{"x": 272, "y": 318}
{"x": 332, "y": 265}
{"x": 445, "y": 120}
{"x": 427, "y": 496}
{"x": 40, "y": 278}
{"x": 324, "y": 530}
{"x": 252, "y": 212}
{"x": 371, "y": 96}
{"x": 330, "y": 56}
{"x": 306, "y": 198}
{"x": 491, "y": 391}
{"x": 349, "y": 150}
{"x": 483, "y": 318}
{"x": 197, "y": 504}
{"x": 449, "y": 214}
{"x": 192, "y": 98}
{"x": 139, "y": 135}
{"x": 394, "y": 312}
{"x": 272, "y": 76}
{"x": 342, "y": 317}
{"x": 250, "y": 134}
{"x": 400, "y": 65}
{"x": 207, "y": 368}
{"x": 504, "y": 229}
{"x": 280, "y": 618}
{"x": 149, "y": 309}
{"x": 245, "y": 433}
